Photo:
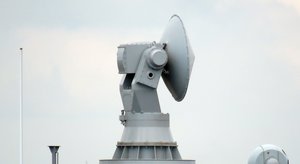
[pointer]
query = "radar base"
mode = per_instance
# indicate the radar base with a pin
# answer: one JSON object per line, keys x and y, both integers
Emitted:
{"x": 147, "y": 162}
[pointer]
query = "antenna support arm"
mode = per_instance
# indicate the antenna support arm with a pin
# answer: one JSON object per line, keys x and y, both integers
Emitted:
{"x": 138, "y": 90}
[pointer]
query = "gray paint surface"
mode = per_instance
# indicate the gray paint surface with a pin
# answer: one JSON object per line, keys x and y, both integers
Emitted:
{"x": 146, "y": 134}
{"x": 181, "y": 58}
{"x": 54, "y": 152}
{"x": 147, "y": 162}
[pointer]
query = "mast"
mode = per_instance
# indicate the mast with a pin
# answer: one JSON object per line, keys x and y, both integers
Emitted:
{"x": 21, "y": 105}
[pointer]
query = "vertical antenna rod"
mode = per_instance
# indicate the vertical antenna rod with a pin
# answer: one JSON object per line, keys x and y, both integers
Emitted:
{"x": 21, "y": 106}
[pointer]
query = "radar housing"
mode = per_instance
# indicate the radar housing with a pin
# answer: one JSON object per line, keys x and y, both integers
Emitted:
{"x": 268, "y": 154}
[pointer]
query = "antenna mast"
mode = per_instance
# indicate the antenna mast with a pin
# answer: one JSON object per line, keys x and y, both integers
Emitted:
{"x": 21, "y": 105}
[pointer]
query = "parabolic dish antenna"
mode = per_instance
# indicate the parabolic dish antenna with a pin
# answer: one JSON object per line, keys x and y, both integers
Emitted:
{"x": 147, "y": 136}
{"x": 180, "y": 58}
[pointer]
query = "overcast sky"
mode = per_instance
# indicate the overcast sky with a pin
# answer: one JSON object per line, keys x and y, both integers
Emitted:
{"x": 244, "y": 89}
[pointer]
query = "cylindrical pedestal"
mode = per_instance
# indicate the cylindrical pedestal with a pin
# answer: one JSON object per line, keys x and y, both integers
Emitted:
{"x": 147, "y": 162}
{"x": 146, "y": 139}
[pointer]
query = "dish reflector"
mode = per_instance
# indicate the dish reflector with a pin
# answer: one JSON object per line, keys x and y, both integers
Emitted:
{"x": 180, "y": 58}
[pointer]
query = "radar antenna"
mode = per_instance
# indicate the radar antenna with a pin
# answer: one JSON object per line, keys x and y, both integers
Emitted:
{"x": 268, "y": 154}
{"x": 147, "y": 134}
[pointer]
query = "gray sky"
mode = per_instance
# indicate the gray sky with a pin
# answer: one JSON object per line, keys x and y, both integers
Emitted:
{"x": 244, "y": 90}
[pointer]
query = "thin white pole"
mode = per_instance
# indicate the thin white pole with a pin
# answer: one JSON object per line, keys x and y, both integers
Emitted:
{"x": 21, "y": 106}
